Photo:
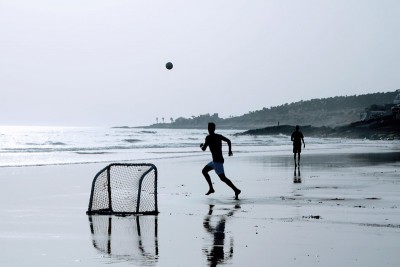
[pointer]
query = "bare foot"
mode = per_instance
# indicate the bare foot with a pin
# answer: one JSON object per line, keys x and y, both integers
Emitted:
{"x": 210, "y": 192}
{"x": 237, "y": 194}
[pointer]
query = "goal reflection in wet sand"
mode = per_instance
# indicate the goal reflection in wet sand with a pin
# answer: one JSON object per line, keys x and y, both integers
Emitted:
{"x": 128, "y": 238}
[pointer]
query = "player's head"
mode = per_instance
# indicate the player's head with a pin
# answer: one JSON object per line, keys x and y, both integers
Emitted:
{"x": 211, "y": 127}
{"x": 297, "y": 127}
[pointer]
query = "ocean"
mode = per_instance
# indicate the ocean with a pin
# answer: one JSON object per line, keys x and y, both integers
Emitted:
{"x": 38, "y": 146}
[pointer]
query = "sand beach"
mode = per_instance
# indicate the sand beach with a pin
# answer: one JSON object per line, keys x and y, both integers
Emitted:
{"x": 344, "y": 212}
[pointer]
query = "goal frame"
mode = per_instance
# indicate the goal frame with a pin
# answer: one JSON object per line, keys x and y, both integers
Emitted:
{"x": 109, "y": 210}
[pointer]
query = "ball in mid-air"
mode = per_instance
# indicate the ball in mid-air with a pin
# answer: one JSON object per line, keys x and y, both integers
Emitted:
{"x": 169, "y": 65}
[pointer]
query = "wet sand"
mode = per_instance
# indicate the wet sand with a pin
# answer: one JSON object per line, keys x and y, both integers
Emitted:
{"x": 344, "y": 212}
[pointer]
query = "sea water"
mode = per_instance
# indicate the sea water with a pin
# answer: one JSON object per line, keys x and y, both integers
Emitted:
{"x": 35, "y": 146}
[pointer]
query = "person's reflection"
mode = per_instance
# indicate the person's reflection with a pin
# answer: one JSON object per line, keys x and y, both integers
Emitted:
{"x": 296, "y": 176}
{"x": 216, "y": 254}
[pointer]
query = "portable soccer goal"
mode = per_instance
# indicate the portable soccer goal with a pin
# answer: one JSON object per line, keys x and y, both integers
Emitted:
{"x": 124, "y": 189}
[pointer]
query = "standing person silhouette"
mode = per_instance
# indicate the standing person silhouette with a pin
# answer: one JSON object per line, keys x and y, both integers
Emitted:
{"x": 214, "y": 141}
{"x": 297, "y": 137}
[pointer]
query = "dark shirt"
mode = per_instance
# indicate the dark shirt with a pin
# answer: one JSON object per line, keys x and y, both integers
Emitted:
{"x": 297, "y": 136}
{"x": 214, "y": 141}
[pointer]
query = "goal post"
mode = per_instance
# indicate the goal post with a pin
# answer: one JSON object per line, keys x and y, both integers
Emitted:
{"x": 124, "y": 189}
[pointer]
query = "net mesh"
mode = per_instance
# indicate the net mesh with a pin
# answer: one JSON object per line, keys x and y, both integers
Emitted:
{"x": 125, "y": 189}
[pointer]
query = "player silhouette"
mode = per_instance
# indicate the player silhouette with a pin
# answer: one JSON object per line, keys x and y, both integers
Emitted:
{"x": 214, "y": 141}
{"x": 297, "y": 137}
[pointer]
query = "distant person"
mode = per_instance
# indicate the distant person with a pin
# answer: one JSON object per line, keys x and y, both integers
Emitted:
{"x": 297, "y": 137}
{"x": 214, "y": 141}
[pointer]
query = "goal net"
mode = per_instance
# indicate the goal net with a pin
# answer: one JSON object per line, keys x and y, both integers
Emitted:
{"x": 124, "y": 189}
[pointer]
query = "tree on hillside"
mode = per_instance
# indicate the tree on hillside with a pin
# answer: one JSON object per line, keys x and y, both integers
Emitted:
{"x": 332, "y": 111}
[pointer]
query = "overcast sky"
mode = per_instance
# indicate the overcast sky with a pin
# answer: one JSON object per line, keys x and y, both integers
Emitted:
{"x": 102, "y": 62}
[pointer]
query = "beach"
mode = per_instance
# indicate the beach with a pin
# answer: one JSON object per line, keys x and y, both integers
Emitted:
{"x": 113, "y": 114}
{"x": 344, "y": 212}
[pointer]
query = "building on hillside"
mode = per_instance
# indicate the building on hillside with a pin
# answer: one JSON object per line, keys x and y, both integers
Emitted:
{"x": 378, "y": 111}
{"x": 396, "y": 100}
{"x": 396, "y": 112}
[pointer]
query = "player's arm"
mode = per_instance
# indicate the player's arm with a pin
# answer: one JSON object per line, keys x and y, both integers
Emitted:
{"x": 204, "y": 146}
{"x": 230, "y": 153}
{"x": 302, "y": 139}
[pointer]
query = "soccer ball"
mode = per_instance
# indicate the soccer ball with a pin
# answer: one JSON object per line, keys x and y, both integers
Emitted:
{"x": 169, "y": 65}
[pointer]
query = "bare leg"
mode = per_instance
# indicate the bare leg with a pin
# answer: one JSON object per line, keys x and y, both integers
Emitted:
{"x": 205, "y": 171}
{"x": 230, "y": 184}
{"x": 299, "y": 159}
{"x": 294, "y": 156}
